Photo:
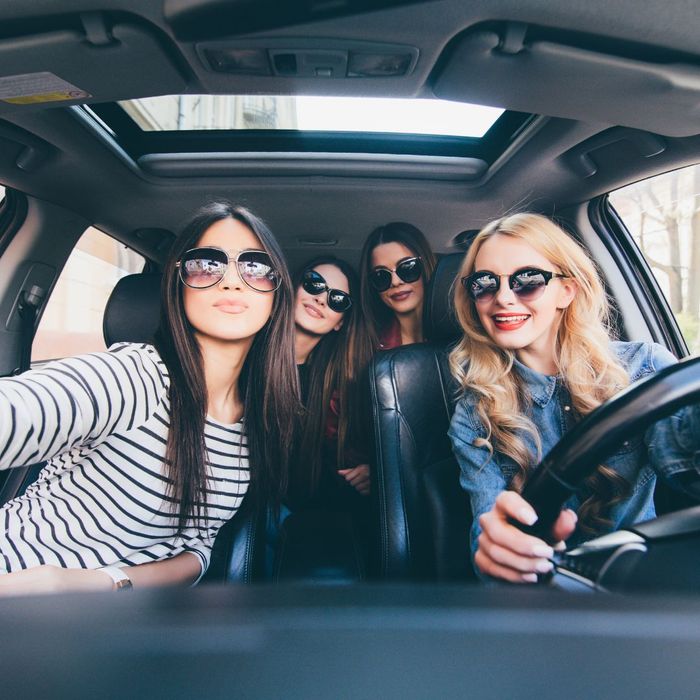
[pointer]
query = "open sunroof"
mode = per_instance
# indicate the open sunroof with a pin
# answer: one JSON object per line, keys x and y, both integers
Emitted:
{"x": 311, "y": 113}
{"x": 227, "y": 123}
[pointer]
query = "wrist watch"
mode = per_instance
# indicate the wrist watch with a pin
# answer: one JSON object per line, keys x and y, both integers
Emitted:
{"x": 121, "y": 581}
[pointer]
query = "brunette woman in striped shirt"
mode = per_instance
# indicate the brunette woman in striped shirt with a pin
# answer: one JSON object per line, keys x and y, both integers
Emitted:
{"x": 149, "y": 449}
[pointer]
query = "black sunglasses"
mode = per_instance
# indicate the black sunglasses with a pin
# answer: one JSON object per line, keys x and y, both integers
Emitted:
{"x": 407, "y": 270}
{"x": 527, "y": 284}
{"x": 315, "y": 284}
{"x": 201, "y": 268}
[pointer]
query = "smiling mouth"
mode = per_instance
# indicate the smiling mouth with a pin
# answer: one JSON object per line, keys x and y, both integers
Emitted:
{"x": 510, "y": 322}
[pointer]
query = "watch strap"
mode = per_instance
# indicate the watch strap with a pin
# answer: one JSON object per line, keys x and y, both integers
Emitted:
{"x": 121, "y": 581}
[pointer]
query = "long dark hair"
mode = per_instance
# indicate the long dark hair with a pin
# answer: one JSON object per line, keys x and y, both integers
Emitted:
{"x": 377, "y": 314}
{"x": 336, "y": 365}
{"x": 268, "y": 380}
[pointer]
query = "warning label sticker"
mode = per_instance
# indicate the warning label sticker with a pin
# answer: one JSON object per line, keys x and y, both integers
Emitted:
{"x": 33, "y": 88}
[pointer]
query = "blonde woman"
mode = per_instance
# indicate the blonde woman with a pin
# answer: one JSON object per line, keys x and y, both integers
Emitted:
{"x": 537, "y": 356}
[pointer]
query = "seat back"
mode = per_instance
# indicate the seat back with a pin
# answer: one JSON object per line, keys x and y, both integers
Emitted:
{"x": 132, "y": 311}
{"x": 424, "y": 516}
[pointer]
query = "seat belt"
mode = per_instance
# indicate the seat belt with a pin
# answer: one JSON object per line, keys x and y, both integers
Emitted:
{"x": 17, "y": 479}
{"x": 27, "y": 308}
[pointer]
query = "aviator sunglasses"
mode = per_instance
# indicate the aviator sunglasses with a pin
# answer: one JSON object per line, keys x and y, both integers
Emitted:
{"x": 408, "y": 270}
{"x": 527, "y": 284}
{"x": 201, "y": 268}
{"x": 314, "y": 283}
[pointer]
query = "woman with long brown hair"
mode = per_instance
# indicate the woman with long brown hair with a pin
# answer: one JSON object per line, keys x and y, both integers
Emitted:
{"x": 536, "y": 356}
{"x": 151, "y": 448}
{"x": 395, "y": 266}
{"x": 332, "y": 350}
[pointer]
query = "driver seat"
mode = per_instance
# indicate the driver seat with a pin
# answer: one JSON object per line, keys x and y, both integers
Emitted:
{"x": 424, "y": 515}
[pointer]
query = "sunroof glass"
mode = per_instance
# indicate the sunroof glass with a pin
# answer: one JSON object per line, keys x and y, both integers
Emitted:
{"x": 351, "y": 114}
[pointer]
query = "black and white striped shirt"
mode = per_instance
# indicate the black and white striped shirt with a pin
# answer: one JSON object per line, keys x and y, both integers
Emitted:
{"x": 102, "y": 422}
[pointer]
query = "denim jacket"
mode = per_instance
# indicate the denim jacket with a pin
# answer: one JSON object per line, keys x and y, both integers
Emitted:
{"x": 668, "y": 447}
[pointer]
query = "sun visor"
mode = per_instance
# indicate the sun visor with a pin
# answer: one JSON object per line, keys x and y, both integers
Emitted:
{"x": 503, "y": 67}
{"x": 100, "y": 64}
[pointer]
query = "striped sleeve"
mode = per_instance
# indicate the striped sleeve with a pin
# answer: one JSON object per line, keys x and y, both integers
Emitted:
{"x": 78, "y": 401}
{"x": 203, "y": 553}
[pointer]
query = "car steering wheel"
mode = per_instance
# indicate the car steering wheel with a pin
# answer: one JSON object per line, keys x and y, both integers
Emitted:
{"x": 589, "y": 443}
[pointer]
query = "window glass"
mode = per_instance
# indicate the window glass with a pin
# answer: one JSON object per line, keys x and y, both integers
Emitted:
{"x": 72, "y": 321}
{"x": 663, "y": 215}
{"x": 311, "y": 113}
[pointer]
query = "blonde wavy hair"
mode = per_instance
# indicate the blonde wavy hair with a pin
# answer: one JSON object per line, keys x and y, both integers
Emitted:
{"x": 584, "y": 359}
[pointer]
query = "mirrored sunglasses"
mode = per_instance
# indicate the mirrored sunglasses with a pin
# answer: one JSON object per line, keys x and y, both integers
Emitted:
{"x": 527, "y": 284}
{"x": 314, "y": 283}
{"x": 408, "y": 270}
{"x": 201, "y": 268}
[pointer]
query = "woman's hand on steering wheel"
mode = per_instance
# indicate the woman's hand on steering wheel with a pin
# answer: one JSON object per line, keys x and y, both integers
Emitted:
{"x": 506, "y": 552}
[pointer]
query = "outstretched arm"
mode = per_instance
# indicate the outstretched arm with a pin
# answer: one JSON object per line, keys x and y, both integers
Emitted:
{"x": 48, "y": 411}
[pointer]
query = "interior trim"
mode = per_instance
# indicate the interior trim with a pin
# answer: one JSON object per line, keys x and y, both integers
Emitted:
{"x": 293, "y": 164}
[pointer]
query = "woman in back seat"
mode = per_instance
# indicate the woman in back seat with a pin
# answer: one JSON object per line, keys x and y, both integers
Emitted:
{"x": 151, "y": 448}
{"x": 331, "y": 467}
{"x": 395, "y": 265}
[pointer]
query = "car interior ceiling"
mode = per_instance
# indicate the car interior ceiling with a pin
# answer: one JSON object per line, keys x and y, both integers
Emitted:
{"x": 584, "y": 137}
{"x": 545, "y": 167}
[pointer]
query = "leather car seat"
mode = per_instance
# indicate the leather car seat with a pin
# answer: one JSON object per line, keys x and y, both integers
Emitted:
{"x": 424, "y": 516}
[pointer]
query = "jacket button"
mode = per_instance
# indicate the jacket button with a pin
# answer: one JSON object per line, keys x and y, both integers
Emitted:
{"x": 567, "y": 408}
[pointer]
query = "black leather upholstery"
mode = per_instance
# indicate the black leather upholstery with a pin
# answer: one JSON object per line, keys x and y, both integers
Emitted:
{"x": 238, "y": 555}
{"x": 439, "y": 320}
{"x": 424, "y": 515}
{"x": 320, "y": 546}
{"x": 133, "y": 309}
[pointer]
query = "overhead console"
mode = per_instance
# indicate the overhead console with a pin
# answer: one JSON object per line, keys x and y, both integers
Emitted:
{"x": 98, "y": 58}
{"x": 565, "y": 74}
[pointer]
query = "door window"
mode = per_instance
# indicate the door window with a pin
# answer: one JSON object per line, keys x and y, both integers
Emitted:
{"x": 72, "y": 321}
{"x": 663, "y": 215}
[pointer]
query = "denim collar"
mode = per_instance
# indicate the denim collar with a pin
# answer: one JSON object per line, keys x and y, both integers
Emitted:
{"x": 541, "y": 386}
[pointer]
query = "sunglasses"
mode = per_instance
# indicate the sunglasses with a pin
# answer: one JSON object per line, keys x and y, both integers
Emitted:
{"x": 408, "y": 270}
{"x": 201, "y": 268}
{"x": 527, "y": 284}
{"x": 313, "y": 283}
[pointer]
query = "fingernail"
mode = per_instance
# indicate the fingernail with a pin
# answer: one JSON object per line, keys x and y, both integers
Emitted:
{"x": 543, "y": 566}
{"x": 530, "y": 578}
{"x": 542, "y": 550}
{"x": 573, "y": 512}
{"x": 527, "y": 516}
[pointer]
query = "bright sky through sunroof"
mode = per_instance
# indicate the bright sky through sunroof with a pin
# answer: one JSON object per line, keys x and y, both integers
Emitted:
{"x": 393, "y": 115}
{"x": 186, "y": 112}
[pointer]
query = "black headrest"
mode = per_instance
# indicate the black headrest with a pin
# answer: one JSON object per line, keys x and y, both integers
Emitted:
{"x": 439, "y": 320}
{"x": 133, "y": 309}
